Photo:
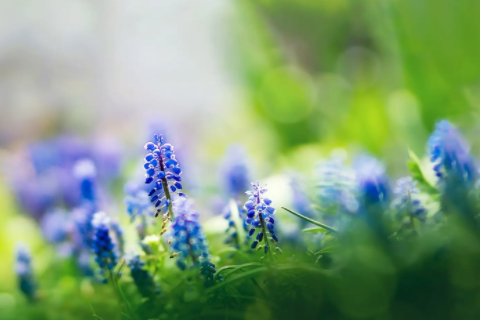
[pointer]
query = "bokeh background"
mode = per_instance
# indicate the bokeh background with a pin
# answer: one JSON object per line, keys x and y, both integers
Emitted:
{"x": 289, "y": 80}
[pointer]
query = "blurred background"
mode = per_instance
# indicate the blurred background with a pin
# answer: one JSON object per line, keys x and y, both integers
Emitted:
{"x": 289, "y": 80}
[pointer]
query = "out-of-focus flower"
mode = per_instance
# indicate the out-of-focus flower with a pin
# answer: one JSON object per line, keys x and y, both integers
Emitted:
{"x": 235, "y": 172}
{"x": 45, "y": 181}
{"x": 85, "y": 172}
{"x": 137, "y": 201}
{"x": 336, "y": 186}
{"x": 102, "y": 243}
{"x": 406, "y": 200}
{"x": 163, "y": 169}
{"x": 24, "y": 272}
{"x": 189, "y": 242}
{"x": 142, "y": 278}
{"x": 260, "y": 216}
{"x": 372, "y": 181}
{"x": 55, "y": 226}
{"x": 450, "y": 154}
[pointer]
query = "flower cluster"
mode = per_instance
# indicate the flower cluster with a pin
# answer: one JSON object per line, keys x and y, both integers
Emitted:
{"x": 163, "y": 169}
{"x": 102, "y": 243}
{"x": 189, "y": 241}
{"x": 406, "y": 201}
{"x": 450, "y": 154}
{"x": 259, "y": 216}
{"x": 188, "y": 238}
{"x": 142, "y": 278}
{"x": 23, "y": 269}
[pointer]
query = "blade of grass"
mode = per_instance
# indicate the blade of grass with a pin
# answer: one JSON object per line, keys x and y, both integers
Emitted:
{"x": 331, "y": 229}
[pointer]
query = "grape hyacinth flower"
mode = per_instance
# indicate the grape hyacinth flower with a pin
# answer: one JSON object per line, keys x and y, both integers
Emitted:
{"x": 138, "y": 205}
{"x": 373, "y": 194}
{"x": 142, "y": 278}
{"x": 23, "y": 269}
{"x": 259, "y": 216}
{"x": 102, "y": 243}
{"x": 55, "y": 225}
{"x": 450, "y": 154}
{"x": 235, "y": 172}
{"x": 85, "y": 172}
{"x": 406, "y": 200}
{"x": 188, "y": 241}
{"x": 372, "y": 181}
{"x": 163, "y": 169}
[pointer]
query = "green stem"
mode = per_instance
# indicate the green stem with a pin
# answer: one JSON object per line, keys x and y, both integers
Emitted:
{"x": 331, "y": 229}
{"x": 235, "y": 215}
{"x": 120, "y": 294}
{"x": 265, "y": 237}
{"x": 168, "y": 196}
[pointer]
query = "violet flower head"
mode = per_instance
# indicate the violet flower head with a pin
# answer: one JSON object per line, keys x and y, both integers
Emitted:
{"x": 260, "y": 216}
{"x": 85, "y": 172}
{"x": 102, "y": 243}
{"x": 406, "y": 198}
{"x": 189, "y": 242}
{"x": 55, "y": 226}
{"x": 450, "y": 155}
{"x": 137, "y": 202}
{"x": 163, "y": 169}
{"x": 372, "y": 181}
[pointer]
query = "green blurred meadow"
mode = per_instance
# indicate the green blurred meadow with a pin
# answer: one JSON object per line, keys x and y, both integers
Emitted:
{"x": 309, "y": 77}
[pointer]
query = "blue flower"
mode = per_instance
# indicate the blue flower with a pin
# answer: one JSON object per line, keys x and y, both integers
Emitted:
{"x": 139, "y": 206}
{"x": 23, "y": 269}
{"x": 85, "y": 172}
{"x": 260, "y": 216}
{"x": 163, "y": 169}
{"x": 450, "y": 154}
{"x": 406, "y": 198}
{"x": 372, "y": 181}
{"x": 54, "y": 225}
{"x": 189, "y": 242}
{"x": 188, "y": 239}
{"x": 235, "y": 171}
{"x": 142, "y": 278}
{"x": 102, "y": 243}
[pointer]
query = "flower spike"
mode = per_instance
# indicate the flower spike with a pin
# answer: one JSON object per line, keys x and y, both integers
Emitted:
{"x": 162, "y": 169}
{"x": 259, "y": 216}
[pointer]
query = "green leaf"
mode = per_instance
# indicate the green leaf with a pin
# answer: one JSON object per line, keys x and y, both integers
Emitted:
{"x": 329, "y": 249}
{"x": 331, "y": 229}
{"x": 417, "y": 173}
{"x": 237, "y": 267}
{"x": 315, "y": 230}
{"x": 236, "y": 278}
